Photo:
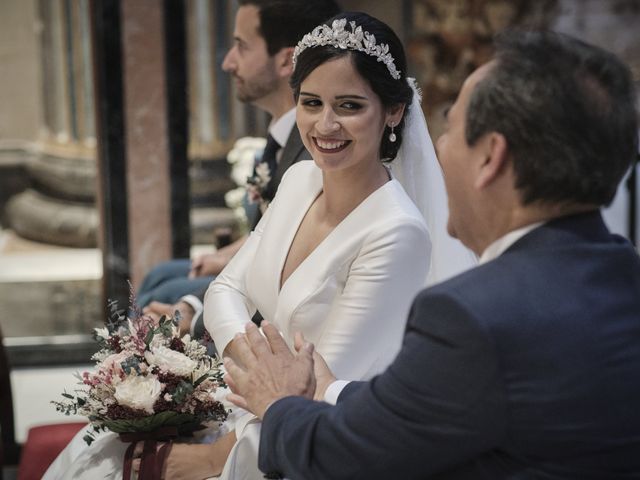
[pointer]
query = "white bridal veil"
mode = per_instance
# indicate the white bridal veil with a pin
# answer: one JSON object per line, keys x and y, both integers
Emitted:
{"x": 418, "y": 171}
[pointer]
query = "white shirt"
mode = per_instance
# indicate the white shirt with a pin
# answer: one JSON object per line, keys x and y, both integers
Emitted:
{"x": 493, "y": 251}
{"x": 499, "y": 246}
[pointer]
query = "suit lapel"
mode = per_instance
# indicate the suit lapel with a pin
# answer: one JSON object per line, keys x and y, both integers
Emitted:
{"x": 292, "y": 151}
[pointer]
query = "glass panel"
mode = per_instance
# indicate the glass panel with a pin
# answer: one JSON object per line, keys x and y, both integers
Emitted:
{"x": 50, "y": 268}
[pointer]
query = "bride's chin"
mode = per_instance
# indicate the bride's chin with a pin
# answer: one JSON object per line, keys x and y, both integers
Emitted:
{"x": 330, "y": 162}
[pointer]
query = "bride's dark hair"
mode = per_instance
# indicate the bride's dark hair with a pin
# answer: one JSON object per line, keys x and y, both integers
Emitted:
{"x": 391, "y": 92}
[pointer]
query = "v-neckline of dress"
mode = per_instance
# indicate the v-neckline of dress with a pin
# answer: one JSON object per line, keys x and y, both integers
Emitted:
{"x": 292, "y": 234}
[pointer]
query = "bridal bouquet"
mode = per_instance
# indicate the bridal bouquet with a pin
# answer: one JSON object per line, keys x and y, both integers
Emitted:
{"x": 148, "y": 382}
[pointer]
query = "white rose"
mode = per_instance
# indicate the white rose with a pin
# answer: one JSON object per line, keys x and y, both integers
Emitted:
{"x": 244, "y": 144}
{"x": 233, "y": 156}
{"x": 171, "y": 361}
{"x": 139, "y": 392}
{"x": 250, "y": 143}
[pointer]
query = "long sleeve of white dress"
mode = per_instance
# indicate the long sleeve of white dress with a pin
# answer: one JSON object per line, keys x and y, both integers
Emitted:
{"x": 227, "y": 304}
{"x": 363, "y": 327}
{"x": 350, "y": 297}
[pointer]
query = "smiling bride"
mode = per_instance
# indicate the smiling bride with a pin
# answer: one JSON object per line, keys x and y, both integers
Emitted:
{"x": 350, "y": 236}
{"x": 343, "y": 248}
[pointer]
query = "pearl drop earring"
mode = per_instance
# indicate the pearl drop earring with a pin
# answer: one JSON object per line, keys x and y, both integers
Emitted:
{"x": 392, "y": 135}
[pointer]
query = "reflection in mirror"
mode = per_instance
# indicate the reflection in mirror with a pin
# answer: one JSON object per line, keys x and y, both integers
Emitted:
{"x": 50, "y": 270}
{"x": 49, "y": 267}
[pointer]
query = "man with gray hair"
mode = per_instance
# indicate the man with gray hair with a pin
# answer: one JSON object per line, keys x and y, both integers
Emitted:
{"x": 526, "y": 366}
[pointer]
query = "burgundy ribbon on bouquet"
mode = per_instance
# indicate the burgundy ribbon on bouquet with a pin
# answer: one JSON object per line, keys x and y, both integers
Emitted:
{"x": 152, "y": 460}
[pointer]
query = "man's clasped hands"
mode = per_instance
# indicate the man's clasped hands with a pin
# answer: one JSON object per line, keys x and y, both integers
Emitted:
{"x": 266, "y": 370}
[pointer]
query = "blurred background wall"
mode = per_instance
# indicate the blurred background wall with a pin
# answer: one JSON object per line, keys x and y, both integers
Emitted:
{"x": 48, "y": 144}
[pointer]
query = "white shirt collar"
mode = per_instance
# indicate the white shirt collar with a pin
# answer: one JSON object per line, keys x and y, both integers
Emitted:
{"x": 281, "y": 128}
{"x": 499, "y": 246}
{"x": 493, "y": 251}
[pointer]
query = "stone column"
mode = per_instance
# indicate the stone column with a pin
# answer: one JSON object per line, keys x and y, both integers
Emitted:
{"x": 140, "y": 79}
{"x": 148, "y": 181}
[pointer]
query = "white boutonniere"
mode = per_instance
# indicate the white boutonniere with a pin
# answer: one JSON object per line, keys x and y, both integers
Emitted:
{"x": 252, "y": 179}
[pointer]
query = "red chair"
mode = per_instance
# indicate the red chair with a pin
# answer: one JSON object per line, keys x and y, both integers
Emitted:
{"x": 43, "y": 444}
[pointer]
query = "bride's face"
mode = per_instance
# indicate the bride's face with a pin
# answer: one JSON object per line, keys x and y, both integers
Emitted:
{"x": 340, "y": 118}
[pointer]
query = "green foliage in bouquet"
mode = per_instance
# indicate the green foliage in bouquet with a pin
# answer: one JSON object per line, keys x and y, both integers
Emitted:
{"x": 147, "y": 378}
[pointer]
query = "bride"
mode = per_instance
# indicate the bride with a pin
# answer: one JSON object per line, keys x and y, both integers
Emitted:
{"x": 343, "y": 247}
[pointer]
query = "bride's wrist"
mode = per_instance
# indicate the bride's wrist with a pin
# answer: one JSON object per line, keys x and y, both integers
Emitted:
{"x": 216, "y": 456}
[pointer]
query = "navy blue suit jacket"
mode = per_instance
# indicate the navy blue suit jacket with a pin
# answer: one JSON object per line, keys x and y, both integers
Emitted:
{"x": 525, "y": 367}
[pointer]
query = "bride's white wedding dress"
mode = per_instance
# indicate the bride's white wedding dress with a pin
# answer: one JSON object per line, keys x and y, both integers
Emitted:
{"x": 103, "y": 459}
{"x": 350, "y": 297}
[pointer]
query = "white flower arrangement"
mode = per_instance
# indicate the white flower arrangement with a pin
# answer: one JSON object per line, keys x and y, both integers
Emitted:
{"x": 242, "y": 158}
{"x": 147, "y": 378}
{"x": 170, "y": 361}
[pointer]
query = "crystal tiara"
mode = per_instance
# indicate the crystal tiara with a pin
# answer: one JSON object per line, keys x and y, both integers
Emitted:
{"x": 357, "y": 39}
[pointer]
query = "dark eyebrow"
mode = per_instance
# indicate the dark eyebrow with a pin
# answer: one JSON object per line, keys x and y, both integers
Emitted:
{"x": 340, "y": 97}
